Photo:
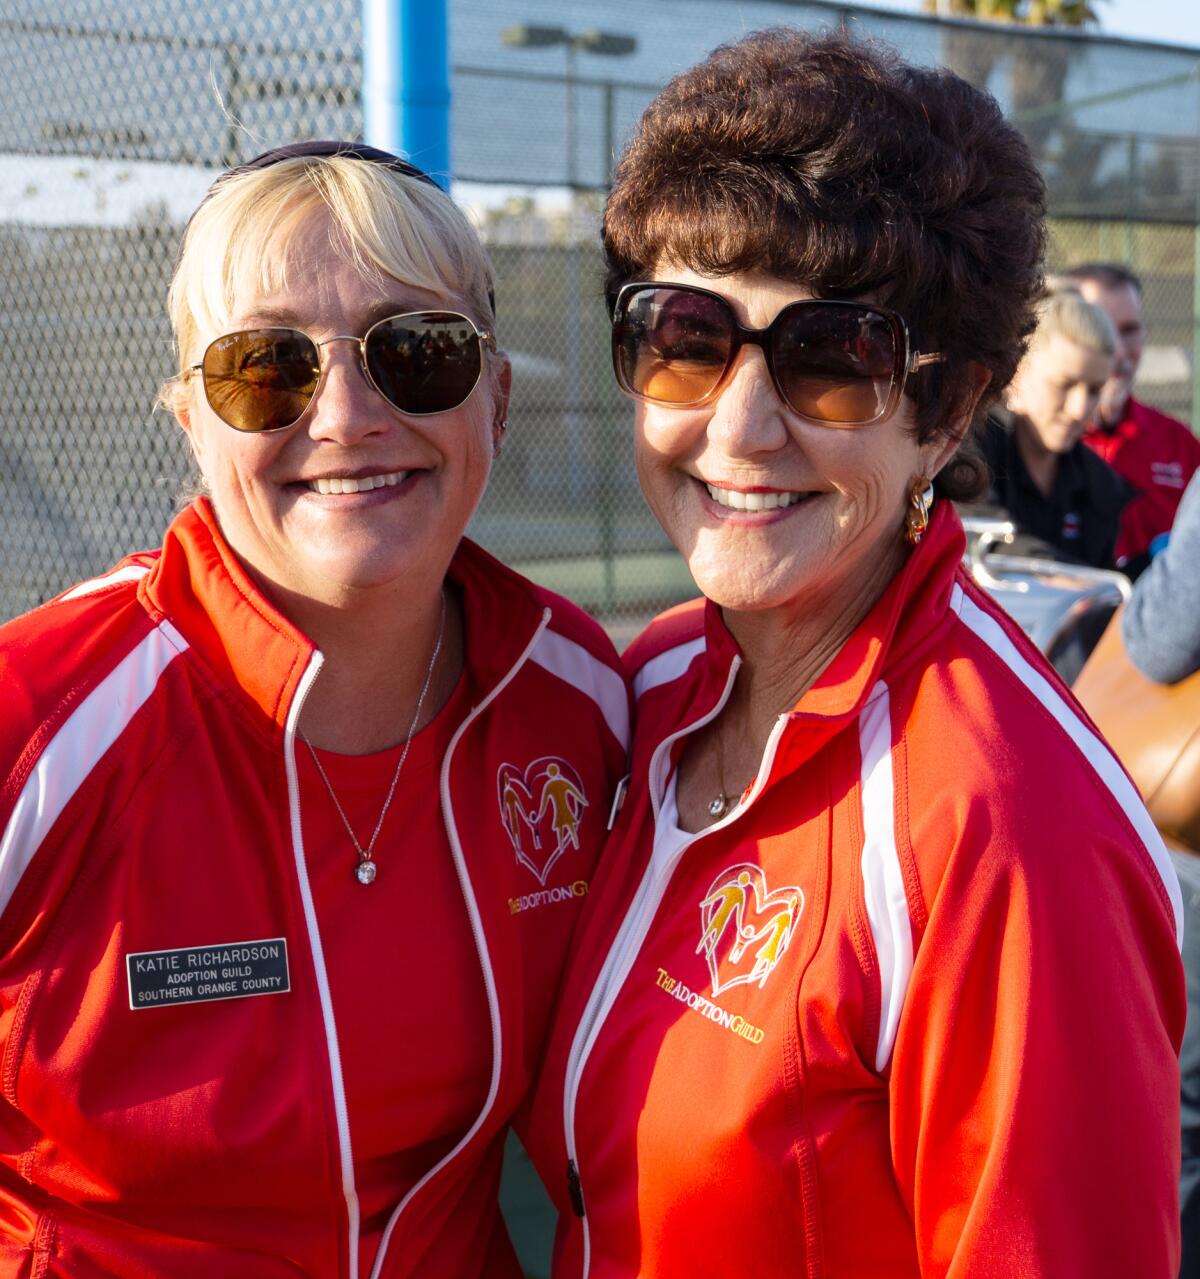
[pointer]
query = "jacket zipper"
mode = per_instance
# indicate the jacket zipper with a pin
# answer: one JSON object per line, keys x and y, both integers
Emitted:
{"x": 345, "y": 1153}
{"x": 476, "y": 919}
{"x": 627, "y": 944}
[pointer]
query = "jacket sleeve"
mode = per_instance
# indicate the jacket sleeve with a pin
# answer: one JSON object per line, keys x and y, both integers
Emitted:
{"x": 1034, "y": 1084}
{"x": 1161, "y": 624}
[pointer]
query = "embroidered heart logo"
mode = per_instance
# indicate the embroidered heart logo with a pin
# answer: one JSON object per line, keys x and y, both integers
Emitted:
{"x": 541, "y": 807}
{"x": 745, "y": 927}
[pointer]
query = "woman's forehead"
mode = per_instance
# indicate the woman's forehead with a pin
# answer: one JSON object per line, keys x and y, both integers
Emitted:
{"x": 340, "y": 296}
{"x": 1058, "y": 355}
{"x": 305, "y": 276}
{"x": 756, "y": 296}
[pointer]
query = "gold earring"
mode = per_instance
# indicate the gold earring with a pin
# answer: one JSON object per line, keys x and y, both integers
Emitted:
{"x": 920, "y": 503}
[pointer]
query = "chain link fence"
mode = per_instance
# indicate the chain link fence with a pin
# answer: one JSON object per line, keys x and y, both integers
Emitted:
{"x": 114, "y": 119}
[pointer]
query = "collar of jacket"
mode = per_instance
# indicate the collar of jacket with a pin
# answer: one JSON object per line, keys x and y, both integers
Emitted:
{"x": 252, "y": 648}
{"x": 906, "y": 618}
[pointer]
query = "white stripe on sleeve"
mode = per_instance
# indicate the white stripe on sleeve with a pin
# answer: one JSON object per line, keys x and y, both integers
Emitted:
{"x": 130, "y": 573}
{"x": 77, "y": 748}
{"x": 1093, "y": 749}
{"x": 883, "y": 882}
{"x": 574, "y": 664}
{"x": 666, "y": 666}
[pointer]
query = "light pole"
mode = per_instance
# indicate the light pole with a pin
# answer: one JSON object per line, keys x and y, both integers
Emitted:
{"x": 606, "y": 44}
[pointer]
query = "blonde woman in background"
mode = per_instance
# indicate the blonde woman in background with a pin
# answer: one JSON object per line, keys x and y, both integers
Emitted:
{"x": 1053, "y": 487}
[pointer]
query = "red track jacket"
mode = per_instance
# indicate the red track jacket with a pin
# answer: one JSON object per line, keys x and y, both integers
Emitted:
{"x": 912, "y": 1008}
{"x": 1157, "y": 455}
{"x": 149, "y": 809}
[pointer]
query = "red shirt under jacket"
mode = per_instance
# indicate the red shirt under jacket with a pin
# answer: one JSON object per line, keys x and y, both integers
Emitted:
{"x": 405, "y": 1111}
{"x": 1157, "y": 455}
{"x": 911, "y": 1009}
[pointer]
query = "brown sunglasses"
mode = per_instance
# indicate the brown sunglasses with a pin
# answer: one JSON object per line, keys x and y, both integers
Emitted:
{"x": 421, "y": 362}
{"x": 837, "y": 363}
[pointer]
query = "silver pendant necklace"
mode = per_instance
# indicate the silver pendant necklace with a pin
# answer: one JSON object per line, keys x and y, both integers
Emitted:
{"x": 365, "y": 870}
{"x": 718, "y": 806}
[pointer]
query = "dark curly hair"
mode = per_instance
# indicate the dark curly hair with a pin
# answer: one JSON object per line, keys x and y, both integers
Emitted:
{"x": 830, "y": 162}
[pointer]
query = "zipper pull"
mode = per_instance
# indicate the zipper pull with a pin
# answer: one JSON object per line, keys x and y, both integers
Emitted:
{"x": 618, "y": 801}
{"x": 575, "y": 1188}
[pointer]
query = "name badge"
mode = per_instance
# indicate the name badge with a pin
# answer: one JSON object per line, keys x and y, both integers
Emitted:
{"x": 197, "y": 974}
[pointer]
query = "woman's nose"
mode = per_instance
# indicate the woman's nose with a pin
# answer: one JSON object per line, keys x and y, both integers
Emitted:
{"x": 347, "y": 407}
{"x": 748, "y": 416}
{"x": 1079, "y": 403}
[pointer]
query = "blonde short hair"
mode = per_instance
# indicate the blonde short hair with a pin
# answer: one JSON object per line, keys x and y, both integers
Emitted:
{"x": 1065, "y": 311}
{"x": 387, "y": 224}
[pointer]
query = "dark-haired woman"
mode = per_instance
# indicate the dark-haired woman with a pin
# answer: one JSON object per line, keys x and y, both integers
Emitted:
{"x": 283, "y": 902}
{"x": 882, "y": 975}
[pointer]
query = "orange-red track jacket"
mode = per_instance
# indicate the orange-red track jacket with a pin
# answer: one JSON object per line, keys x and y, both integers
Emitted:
{"x": 912, "y": 1008}
{"x": 149, "y": 804}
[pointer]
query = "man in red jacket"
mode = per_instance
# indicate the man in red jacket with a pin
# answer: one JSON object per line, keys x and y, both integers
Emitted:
{"x": 1156, "y": 453}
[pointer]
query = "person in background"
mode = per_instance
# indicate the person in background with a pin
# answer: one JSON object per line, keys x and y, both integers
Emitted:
{"x": 1053, "y": 488}
{"x": 1161, "y": 623}
{"x": 1154, "y": 452}
{"x": 1161, "y": 630}
{"x": 276, "y": 954}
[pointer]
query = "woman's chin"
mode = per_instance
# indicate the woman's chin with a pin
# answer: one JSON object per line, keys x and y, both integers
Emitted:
{"x": 831, "y": 564}
{"x": 747, "y": 568}
{"x": 337, "y": 580}
{"x": 747, "y": 586}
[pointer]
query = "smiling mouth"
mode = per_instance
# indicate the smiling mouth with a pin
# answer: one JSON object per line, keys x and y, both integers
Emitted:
{"x": 739, "y": 501}
{"x": 363, "y": 484}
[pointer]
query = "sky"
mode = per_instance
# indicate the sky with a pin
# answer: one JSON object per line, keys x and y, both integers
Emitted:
{"x": 1170, "y": 21}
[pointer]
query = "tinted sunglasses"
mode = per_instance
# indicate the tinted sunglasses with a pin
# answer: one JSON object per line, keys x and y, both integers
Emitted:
{"x": 421, "y": 362}
{"x": 838, "y": 363}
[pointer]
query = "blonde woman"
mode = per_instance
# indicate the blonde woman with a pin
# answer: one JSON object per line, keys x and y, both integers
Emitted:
{"x": 282, "y": 901}
{"x": 1054, "y": 487}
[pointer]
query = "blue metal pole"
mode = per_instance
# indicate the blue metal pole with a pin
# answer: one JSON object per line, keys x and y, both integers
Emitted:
{"x": 406, "y": 81}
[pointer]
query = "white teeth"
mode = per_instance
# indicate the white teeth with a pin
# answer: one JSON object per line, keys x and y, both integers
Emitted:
{"x": 739, "y": 501}
{"x": 345, "y": 484}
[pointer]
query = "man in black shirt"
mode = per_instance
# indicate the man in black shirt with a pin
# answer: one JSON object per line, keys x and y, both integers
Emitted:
{"x": 1052, "y": 486}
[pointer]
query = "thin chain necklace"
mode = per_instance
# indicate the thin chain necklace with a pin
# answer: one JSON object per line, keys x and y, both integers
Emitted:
{"x": 718, "y": 806}
{"x": 366, "y": 870}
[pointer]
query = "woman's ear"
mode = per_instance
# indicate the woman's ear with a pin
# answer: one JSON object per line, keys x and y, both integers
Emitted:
{"x": 502, "y": 383}
{"x": 183, "y": 415}
{"x": 176, "y": 398}
{"x": 941, "y": 447}
{"x": 173, "y": 396}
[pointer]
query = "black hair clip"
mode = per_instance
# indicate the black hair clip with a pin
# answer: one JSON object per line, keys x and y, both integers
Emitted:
{"x": 325, "y": 147}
